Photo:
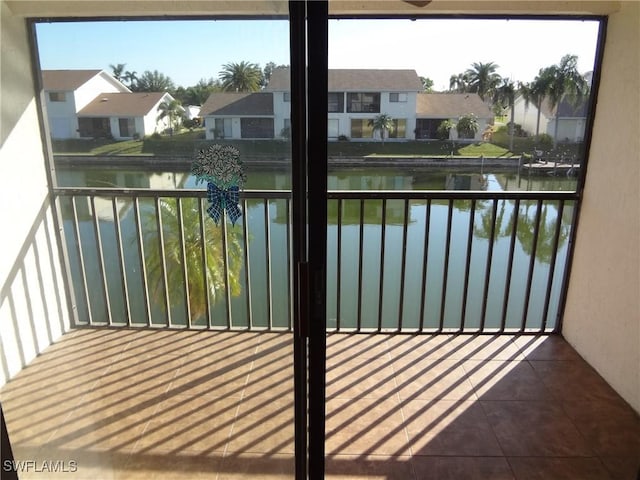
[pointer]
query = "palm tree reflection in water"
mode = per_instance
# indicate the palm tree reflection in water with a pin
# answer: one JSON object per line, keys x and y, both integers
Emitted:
{"x": 206, "y": 284}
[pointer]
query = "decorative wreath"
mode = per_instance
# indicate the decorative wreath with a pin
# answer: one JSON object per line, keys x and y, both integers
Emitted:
{"x": 220, "y": 166}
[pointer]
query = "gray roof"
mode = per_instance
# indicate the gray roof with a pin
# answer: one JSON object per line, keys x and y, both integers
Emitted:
{"x": 226, "y": 103}
{"x": 449, "y": 105}
{"x": 123, "y": 104}
{"x": 360, "y": 80}
{"x": 65, "y": 80}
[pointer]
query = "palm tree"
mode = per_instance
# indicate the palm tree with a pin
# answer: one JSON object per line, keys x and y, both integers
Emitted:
{"x": 382, "y": 123}
{"x": 131, "y": 78}
{"x": 483, "y": 79}
{"x": 535, "y": 92}
{"x": 173, "y": 110}
{"x": 201, "y": 282}
{"x": 241, "y": 77}
{"x": 565, "y": 81}
{"x": 505, "y": 96}
{"x": 153, "y": 82}
{"x": 117, "y": 70}
{"x": 459, "y": 83}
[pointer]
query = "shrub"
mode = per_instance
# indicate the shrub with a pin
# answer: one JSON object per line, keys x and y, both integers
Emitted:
{"x": 136, "y": 136}
{"x": 467, "y": 126}
{"x": 286, "y": 133}
{"x": 156, "y": 136}
{"x": 343, "y": 138}
{"x": 443, "y": 129}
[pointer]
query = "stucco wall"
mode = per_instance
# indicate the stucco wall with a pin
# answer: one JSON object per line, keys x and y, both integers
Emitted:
{"x": 33, "y": 309}
{"x": 602, "y": 316}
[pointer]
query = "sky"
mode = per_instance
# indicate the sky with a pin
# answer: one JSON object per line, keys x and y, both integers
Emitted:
{"x": 188, "y": 51}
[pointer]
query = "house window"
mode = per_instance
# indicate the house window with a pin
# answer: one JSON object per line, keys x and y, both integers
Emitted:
{"x": 286, "y": 97}
{"x": 222, "y": 128}
{"x": 127, "y": 127}
{"x": 397, "y": 97}
{"x": 99, "y": 127}
{"x": 336, "y": 102}
{"x": 256, "y": 127}
{"x": 363, "y": 102}
{"x": 399, "y": 129}
{"x": 360, "y": 128}
{"x": 57, "y": 97}
{"x": 333, "y": 130}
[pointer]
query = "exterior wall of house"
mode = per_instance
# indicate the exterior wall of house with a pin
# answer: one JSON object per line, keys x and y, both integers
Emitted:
{"x": 281, "y": 112}
{"x": 33, "y": 305}
{"x": 571, "y": 129}
{"x": 602, "y": 315}
{"x": 528, "y": 117}
{"x": 62, "y": 116}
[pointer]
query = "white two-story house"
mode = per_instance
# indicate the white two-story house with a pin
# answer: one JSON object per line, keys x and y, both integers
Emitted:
{"x": 94, "y": 104}
{"x": 69, "y": 91}
{"x": 355, "y": 98}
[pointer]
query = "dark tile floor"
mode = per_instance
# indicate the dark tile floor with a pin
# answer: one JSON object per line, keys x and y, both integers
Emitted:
{"x": 218, "y": 405}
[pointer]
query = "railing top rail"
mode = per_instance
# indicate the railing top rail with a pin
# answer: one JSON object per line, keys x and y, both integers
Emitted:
{"x": 331, "y": 194}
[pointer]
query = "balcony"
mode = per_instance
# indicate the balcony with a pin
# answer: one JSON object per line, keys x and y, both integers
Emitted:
{"x": 149, "y": 403}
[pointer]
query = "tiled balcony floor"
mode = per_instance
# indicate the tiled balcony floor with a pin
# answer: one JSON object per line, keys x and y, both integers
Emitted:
{"x": 219, "y": 405}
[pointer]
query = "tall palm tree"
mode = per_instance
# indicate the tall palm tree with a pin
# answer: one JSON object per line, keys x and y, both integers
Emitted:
{"x": 131, "y": 78}
{"x": 565, "y": 82}
{"x": 382, "y": 123}
{"x": 459, "y": 83}
{"x": 483, "y": 79}
{"x": 241, "y": 77}
{"x": 117, "y": 70}
{"x": 173, "y": 110}
{"x": 505, "y": 96}
{"x": 535, "y": 92}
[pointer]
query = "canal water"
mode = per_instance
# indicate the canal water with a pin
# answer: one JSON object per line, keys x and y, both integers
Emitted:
{"x": 365, "y": 288}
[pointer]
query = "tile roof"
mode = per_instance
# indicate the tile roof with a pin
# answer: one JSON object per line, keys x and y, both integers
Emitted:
{"x": 122, "y": 104}
{"x": 449, "y": 105}
{"x": 65, "y": 80}
{"x": 367, "y": 80}
{"x": 228, "y": 103}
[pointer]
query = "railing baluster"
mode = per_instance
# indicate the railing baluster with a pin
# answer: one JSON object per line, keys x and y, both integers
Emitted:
{"x": 360, "y": 247}
{"x": 247, "y": 267}
{"x": 403, "y": 266}
{"x": 339, "y": 263}
{"x": 100, "y": 259}
{"x": 205, "y": 262}
{"x": 121, "y": 263}
{"x": 143, "y": 264}
{"x": 267, "y": 241}
{"x": 532, "y": 262}
{"x": 225, "y": 271}
{"x": 487, "y": 270}
{"x": 552, "y": 264}
{"x": 467, "y": 268}
{"x": 183, "y": 256}
{"x": 512, "y": 245}
{"x": 81, "y": 264}
{"x": 163, "y": 260}
{"x": 445, "y": 272}
{"x": 383, "y": 226}
{"x": 425, "y": 257}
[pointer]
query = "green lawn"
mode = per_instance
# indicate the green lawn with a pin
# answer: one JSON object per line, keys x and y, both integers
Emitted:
{"x": 187, "y": 143}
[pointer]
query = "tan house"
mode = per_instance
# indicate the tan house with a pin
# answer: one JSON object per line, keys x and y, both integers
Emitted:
{"x": 238, "y": 115}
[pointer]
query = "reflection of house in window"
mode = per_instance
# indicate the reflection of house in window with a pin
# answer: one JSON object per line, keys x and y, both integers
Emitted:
{"x": 363, "y": 102}
{"x": 399, "y": 128}
{"x": 360, "y": 128}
